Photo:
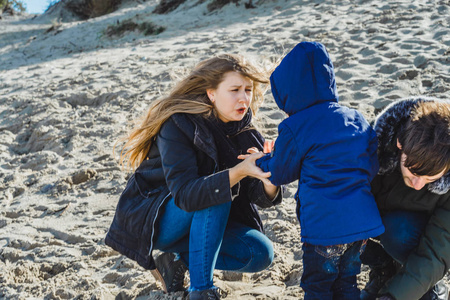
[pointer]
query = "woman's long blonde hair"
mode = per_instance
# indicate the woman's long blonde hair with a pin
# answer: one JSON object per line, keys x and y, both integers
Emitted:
{"x": 189, "y": 96}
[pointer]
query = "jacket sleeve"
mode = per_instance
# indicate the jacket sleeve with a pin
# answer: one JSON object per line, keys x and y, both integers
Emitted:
{"x": 428, "y": 263}
{"x": 285, "y": 161}
{"x": 258, "y": 196}
{"x": 190, "y": 191}
{"x": 373, "y": 146}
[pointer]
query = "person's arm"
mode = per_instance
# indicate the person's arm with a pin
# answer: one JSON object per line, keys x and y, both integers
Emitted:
{"x": 262, "y": 192}
{"x": 248, "y": 168}
{"x": 428, "y": 263}
{"x": 284, "y": 163}
{"x": 258, "y": 194}
{"x": 271, "y": 191}
{"x": 191, "y": 191}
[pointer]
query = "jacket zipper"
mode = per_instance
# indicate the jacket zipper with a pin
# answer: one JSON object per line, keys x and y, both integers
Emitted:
{"x": 154, "y": 221}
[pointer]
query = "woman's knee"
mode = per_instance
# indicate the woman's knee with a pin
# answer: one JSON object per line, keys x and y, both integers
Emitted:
{"x": 219, "y": 212}
{"x": 261, "y": 253}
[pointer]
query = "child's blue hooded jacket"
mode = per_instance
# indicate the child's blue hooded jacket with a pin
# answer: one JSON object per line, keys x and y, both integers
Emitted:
{"x": 329, "y": 148}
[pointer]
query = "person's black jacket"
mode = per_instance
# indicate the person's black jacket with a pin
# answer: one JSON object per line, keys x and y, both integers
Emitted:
{"x": 430, "y": 260}
{"x": 183, "y": 164}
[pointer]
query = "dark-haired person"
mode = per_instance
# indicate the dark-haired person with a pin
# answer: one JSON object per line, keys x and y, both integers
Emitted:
{"x": 412, "y": 190}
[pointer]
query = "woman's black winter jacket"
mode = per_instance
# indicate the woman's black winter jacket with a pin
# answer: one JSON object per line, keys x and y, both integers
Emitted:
{"x": 183, "y": 164}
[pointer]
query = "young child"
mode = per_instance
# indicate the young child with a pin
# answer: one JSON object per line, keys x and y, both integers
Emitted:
{"x": 331, "y": 150}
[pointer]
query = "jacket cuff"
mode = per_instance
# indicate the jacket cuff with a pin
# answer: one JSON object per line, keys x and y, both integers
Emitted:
{"x": 220, "y": 188}
{"x": 279, "y": 196}
{"x": 263, "y": 201}
{"x": 235, "y": 190}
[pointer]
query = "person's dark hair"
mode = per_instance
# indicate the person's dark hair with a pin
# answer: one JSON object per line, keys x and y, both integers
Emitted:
{"x": 425, "y": 139}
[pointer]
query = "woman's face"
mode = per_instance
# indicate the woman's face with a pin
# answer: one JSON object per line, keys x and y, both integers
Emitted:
{"x": 233, "y": 97}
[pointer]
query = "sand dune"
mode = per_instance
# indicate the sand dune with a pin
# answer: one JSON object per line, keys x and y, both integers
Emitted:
{"x": 68, "y": 92}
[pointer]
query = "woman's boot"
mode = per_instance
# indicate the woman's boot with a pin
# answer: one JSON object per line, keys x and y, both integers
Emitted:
{"x": 211, "y": 294}
{"x": 170, "y": 272}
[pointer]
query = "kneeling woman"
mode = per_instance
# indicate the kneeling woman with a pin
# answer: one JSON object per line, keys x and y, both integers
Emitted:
{"x": 190, "y": 196}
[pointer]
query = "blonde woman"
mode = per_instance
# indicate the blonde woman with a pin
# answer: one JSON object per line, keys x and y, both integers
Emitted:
{"x": 190, "y": 196}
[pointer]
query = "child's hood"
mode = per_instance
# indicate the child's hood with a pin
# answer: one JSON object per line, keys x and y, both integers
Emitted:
{"x": 304, "y": 77}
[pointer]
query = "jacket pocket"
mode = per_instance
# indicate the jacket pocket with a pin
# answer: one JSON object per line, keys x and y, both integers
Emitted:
{"x": 134, "y": 207}
{"x": 144, "y": 187}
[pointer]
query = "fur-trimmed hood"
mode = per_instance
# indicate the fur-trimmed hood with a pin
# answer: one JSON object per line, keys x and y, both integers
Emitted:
{"x": 387, "y": 125}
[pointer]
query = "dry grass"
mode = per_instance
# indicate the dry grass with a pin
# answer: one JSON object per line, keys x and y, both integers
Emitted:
{"x": 166, "y": 6}
{"x": 147, "y": 28}
{"x": 218, "y": 4}
{"x": 87, "y": 9}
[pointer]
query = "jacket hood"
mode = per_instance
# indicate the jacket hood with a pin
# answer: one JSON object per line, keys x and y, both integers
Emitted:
{"x": 387, "y": 126}
{"x": 304, "y": 77}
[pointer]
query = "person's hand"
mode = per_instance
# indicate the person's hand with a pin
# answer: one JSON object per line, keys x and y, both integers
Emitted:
{"x": 254, "y": 170}
{"x": 248, "y": 167}
{"x": 270, "y": 189}
{"x": 251, "y": 169}
{"x": 268, "y": 146}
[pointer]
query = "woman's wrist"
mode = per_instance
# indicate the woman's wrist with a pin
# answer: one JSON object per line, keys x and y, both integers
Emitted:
{"x": 271, "y": 190}
{"x": 235, "y": 174}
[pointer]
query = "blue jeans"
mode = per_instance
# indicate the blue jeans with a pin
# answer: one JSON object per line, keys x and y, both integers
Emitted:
{"x": 403, "y": 232}
{"x": 329, "y": 272}
{"x": 205, "y": 241}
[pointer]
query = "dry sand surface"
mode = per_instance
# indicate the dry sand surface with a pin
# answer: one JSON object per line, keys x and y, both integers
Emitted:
{"x": 68, "y": 92}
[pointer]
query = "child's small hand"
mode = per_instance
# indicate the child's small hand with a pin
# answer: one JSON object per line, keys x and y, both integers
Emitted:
{"x": 268, "y": 146}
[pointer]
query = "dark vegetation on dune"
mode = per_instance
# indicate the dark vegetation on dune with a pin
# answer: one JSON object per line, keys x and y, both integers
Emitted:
{"x": 166, "y": 6}
{"x": 86, "y": 9}
{"x": 11, "y": 6}
{"x": 147, "y": 28}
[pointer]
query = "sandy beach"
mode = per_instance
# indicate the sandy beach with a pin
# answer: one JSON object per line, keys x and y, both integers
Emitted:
{"x": 68, "y": 92}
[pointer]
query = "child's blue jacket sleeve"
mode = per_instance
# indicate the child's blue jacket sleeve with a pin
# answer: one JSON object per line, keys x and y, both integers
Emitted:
{"x": 285, "y": 160}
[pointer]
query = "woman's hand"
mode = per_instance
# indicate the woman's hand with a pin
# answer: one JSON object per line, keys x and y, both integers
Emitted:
{"x": 270, "y": 189}
{"x": 248, "y": 168}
